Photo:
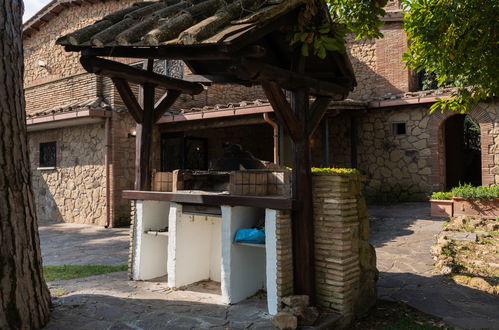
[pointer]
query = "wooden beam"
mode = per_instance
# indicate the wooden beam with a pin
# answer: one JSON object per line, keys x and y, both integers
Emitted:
{"x": 207, "y": 79}
{"x": 165, "y": 103}
{"x": 283, "y": 109}
{"x": 122, "y": 71}
{"x": 291, "y": 80}
{"x": 319, "y": 108}
{"x": 129, "y": 99}
{"x": 277, "y": 203}
{"x": 191, "y": 126}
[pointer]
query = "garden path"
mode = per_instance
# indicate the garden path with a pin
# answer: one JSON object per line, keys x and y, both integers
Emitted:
{"x": 402, "y": 235}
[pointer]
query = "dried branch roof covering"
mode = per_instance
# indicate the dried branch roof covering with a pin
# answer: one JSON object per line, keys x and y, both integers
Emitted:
{"x": 181, "y": 22}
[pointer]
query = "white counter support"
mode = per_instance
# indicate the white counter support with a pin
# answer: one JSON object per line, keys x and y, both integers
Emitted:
{"x": 243, "y": 267}
{"x": 150, "y": 215}
{"x": 194, "y": 251}
{"x": 271, "y": 260}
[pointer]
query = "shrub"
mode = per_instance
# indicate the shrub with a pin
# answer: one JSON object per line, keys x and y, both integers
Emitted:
{"x": 481, "y": 192}
{"x": 441, "y": 196}
{"x": 317, "y": 170}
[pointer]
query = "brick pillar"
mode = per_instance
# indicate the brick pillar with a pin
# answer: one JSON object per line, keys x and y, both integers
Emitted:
{"x": 345, "y": 262}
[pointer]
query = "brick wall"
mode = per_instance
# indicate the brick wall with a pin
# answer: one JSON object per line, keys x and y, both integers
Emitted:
{"x": 122, "y": 166}
{"x": 378, "y": 63}
{"x": 70, "y": 90}
{"x": 41, "y": 45}
{"x": 284, "y": 244}
{"x": 391, "y": 77}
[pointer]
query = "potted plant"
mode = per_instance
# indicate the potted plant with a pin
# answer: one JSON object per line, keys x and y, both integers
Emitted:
{"x": 442, "y": 205}
{"x": 482, "y": 201}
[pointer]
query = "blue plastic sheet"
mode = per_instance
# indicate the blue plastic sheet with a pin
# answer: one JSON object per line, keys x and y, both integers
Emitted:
{"x": 254, "y": 236}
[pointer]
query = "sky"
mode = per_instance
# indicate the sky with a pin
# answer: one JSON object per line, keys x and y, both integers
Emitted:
{"x": 31, "y": 7}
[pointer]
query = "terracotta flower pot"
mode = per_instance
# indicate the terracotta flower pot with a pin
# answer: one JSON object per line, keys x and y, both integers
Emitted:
{"x": 442, "y": 208}
{"x": 483, "y": 208}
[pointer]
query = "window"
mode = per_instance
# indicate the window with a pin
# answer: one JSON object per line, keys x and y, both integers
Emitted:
{"x": 399, "y": 129}
{"x": 182, "y": 152}
{"x": 48, "y": 154}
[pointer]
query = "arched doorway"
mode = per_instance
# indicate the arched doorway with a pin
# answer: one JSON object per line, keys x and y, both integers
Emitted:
{"x": 462, "y": 151}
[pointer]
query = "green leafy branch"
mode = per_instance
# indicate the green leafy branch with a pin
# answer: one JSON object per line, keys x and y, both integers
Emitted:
{"x": 361, "y": 17}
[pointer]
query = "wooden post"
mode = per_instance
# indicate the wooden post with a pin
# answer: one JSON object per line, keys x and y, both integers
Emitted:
{"x": 325, "y": 143}
{"x": 143, "y": 141}
{"x": 303, "y": 222}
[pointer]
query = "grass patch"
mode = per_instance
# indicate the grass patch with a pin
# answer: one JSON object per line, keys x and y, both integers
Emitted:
{"x": 67, "y": 272}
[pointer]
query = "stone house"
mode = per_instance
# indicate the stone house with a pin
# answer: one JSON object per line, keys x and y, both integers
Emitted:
{"x": 82, "y": 144}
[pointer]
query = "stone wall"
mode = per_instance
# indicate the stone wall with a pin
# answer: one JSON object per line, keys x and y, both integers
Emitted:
{"x": 408, "y": 167}
{"x": 73, "y": 191}
{"x": 345, "y": 264}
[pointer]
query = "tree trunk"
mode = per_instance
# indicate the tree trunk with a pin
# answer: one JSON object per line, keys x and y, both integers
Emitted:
{"x": 24, "y": 297}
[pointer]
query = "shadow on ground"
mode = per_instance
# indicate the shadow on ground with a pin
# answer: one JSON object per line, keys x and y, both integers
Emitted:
{"x": 402, "y": 235}
{"x": 82, "y": 311}
{"x": 75, "y": 244}
{"x": 437, "y": 295}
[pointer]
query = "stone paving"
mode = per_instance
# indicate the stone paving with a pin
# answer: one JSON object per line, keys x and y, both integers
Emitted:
{"x": 112, "y": 302}
{"x": 402, "y": 235}
{"x": 75, "y": 244}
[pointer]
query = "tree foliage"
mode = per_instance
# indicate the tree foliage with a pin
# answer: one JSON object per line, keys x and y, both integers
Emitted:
{"x": 457, "y": 40}
{"x": 361, "y": 17}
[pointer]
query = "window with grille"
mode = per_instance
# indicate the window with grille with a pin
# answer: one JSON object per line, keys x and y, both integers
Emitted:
{"x": 48, "y": 154}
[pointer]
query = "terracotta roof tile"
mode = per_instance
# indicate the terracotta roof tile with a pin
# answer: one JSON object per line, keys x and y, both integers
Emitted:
{"x": 90, "y": 104}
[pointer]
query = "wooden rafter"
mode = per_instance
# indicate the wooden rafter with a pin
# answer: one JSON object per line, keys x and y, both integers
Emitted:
{"x": 122, "y": 71}
{"x": 290, "y": 80}
{"x": 165, "y": 103}
{"x": 317, "y": 112}
{"x": 129, "y": 99}
{"x": 283, "y": 109}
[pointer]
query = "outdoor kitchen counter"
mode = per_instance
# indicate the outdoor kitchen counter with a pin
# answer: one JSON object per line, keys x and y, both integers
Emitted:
{"x": 189, "y": 236}
{"x": 211, "y": 198}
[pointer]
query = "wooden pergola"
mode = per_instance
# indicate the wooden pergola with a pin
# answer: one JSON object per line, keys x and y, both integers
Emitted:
{"x": 241, "y": 42}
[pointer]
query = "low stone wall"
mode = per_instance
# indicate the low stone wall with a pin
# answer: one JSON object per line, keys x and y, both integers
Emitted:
{"x": 346, "y": 271}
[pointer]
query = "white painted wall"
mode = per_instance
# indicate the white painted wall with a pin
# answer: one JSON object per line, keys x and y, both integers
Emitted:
{"x": 271, "y": 260}
{"x": 243, "y": 267}
{"x": 194, "y": 250}
{"x": 216, "y": 250}
{"x": 150, "y": 252}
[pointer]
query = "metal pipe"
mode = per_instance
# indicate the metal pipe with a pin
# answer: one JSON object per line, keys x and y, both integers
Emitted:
{"x": 272, "y": 123}
{"x": 107, "y": 161}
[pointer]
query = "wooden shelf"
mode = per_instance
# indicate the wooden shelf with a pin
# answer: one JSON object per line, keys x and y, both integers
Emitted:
{"x": 156, "y": 233}
{"x": 252, "y": 245}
